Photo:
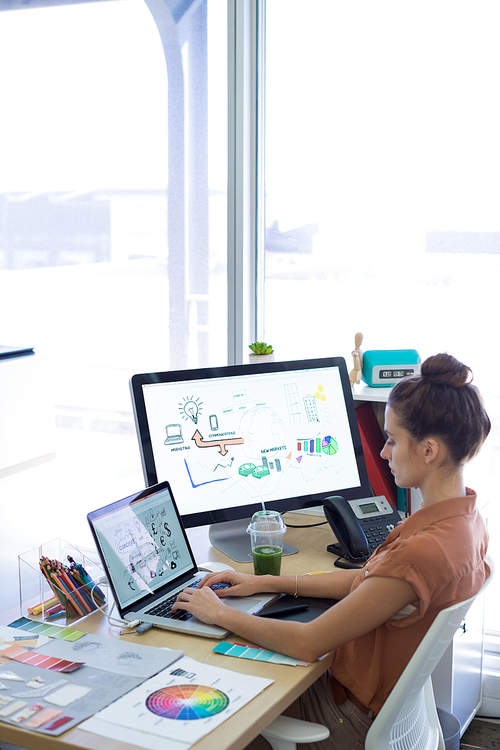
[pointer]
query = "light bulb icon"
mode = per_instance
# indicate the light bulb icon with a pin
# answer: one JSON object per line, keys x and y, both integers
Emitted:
{"x": 191, "y": 410}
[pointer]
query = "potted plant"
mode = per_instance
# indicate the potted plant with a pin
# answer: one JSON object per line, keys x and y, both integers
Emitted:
{"x": 261, "y": 352}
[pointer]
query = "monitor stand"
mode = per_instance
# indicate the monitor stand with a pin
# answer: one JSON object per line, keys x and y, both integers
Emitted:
{"x": 232, "y": 539}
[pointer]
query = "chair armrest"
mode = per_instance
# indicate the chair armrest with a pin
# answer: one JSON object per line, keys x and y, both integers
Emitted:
{"x": 295, "y": 730}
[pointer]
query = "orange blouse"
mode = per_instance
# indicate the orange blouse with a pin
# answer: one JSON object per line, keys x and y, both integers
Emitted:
{"x": 441, "y": 552}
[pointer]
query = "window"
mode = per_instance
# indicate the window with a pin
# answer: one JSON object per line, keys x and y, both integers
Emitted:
{"x": 113, "y": 194}
{"x": 381, "y": 191}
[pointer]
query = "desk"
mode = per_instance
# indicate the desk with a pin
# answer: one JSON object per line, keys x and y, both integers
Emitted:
{"x": 245, "y": 724}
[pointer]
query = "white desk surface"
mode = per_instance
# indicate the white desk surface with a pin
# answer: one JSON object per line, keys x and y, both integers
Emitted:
{"x": 248, "y": 722}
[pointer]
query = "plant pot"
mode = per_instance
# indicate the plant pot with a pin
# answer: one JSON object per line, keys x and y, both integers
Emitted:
{"x": 257, "y": 359}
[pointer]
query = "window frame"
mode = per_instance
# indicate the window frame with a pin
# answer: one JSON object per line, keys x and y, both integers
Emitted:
{"x": 245, "y": 176}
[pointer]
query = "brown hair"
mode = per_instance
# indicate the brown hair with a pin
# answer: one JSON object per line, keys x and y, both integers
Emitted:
{"x": 442, "y": 401}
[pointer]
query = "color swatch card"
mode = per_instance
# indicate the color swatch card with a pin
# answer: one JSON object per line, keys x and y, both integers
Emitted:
{"x": 256, "y": 654}
{"x": 14, "y": 636}
{"x": 35, "y": 659}
{"x": 184, "y": 702}
{"x": 44, "y": 628}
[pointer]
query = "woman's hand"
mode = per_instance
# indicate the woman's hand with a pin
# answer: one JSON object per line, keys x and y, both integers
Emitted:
{"x": 205, "y": 603}
{"x": 240, "y": 584}
{"x": 202, "y": 603}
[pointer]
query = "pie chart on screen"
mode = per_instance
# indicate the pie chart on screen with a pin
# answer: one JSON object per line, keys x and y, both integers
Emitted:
{"x": 187, "y": 702}
{"x": 329, "y": 445}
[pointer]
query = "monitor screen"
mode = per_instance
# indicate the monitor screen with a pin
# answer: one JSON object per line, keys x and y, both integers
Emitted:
{"x": 229, "y": 439}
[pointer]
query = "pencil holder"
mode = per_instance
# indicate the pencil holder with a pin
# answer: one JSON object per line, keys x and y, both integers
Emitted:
{"x": 57, "y": 583}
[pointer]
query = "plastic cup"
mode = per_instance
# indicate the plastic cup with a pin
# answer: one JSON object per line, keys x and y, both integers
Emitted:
{"x": 266, "y": 531}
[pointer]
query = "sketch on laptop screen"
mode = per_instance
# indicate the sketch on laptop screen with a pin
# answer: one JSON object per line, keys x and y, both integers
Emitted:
{"x": 143, "y": 545}
{"x": 245, "y": 439}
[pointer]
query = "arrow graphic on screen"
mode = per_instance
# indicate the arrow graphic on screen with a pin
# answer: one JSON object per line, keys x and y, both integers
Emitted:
{"x": 221, "y": 444}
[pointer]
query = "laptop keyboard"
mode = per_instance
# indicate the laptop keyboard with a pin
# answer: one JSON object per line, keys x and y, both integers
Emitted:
{"x": 164, "y": 608}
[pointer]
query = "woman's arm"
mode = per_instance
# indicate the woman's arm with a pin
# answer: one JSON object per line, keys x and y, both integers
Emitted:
{"x": 371, "y": 604}
{"x": 327, "y": 585}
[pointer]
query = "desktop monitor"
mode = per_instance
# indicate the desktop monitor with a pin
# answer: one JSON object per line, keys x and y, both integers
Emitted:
{"x": 230, "y": 439}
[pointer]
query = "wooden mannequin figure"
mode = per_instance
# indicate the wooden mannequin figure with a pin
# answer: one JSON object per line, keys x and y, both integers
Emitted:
{"x": 357, "y": 355}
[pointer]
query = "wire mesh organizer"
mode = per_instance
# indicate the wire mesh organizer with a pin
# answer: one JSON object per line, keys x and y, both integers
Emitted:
{"x": 58, "y": 583}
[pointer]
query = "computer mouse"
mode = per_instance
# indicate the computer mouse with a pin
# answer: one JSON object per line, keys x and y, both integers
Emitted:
{"x": 212, "y": 566}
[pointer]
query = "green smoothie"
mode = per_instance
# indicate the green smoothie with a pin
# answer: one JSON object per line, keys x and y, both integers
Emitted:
{"x": 266, "y": 560}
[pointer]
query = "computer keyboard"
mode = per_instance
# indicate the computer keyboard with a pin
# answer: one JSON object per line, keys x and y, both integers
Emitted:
{"x": 164, "y": 608}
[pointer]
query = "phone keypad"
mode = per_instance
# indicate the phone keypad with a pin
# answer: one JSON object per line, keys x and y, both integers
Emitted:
{"x": 376, "y": 534}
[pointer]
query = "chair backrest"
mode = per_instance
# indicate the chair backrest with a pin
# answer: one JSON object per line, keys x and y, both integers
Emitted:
{"x": 408, "y": 719}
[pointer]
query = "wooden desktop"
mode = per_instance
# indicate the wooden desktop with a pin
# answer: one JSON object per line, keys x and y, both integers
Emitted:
{"x": 237, "y": 731}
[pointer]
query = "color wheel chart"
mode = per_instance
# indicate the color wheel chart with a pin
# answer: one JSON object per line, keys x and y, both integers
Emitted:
{"x": 187, "y": 702}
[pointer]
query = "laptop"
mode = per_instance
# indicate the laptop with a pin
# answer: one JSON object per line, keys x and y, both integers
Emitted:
{"x": 148, "y": 560}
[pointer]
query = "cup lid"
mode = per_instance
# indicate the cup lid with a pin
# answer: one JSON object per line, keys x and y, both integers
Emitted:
{"x": 266, "y": 520}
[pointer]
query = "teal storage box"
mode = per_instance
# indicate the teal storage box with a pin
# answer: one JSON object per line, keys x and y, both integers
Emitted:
{"x": 384, "y": 367}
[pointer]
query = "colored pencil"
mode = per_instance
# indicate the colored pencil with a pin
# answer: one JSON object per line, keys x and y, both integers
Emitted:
{"x": 72, "y": 587}
{"x": 37, "y": 609}
{"x": 76, "y": 596}
{"x": 44, "y": 567}
{"x": 71, "y": 600}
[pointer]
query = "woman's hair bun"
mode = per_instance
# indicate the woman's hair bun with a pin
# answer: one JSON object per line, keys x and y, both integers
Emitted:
{"x": 442, "y": 402}
{"x": 443, "y": 369}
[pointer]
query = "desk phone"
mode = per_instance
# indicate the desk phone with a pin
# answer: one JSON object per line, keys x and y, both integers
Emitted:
{"x": 359, "y": 525}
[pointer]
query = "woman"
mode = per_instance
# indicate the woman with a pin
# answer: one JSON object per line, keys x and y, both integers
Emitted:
{"x": 435, "y": 422}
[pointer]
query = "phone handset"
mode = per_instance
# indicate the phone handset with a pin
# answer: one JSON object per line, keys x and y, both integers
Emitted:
{"x": 352, "y": 542}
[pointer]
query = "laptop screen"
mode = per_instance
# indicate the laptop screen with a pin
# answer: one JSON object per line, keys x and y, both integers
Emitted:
{"x": 142, "y": 544}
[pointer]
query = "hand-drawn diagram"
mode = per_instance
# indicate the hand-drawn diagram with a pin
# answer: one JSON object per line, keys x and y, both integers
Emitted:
{"x": 259, "y": 431}
{"x": 199, "y": 474}
{"x": 221, "y": 444}
{"x": 263, "y": 430}
{"x": 270, "y": 438}
{"x": 327, "y": 445}
{"x": 258, "y": 472}
{"x": 174, "y": 434}
{"x": 147, "y": 549}
{"x": 191, "y": 408}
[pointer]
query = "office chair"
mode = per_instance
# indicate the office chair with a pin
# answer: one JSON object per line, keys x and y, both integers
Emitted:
{"x": 408, "y": 719}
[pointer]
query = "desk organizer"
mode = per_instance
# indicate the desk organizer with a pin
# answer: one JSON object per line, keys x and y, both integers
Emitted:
{"x": 55, "y": 594}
